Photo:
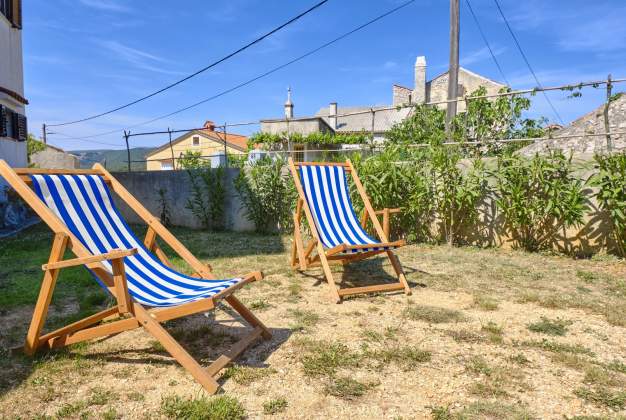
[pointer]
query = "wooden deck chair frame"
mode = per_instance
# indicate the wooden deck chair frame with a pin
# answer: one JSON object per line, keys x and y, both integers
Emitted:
{"x": 302, "y": 256}
{"x": 127, "y": 314}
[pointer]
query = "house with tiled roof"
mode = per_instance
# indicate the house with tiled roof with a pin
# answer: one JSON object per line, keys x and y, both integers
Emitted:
{"x": 210, "y": 144}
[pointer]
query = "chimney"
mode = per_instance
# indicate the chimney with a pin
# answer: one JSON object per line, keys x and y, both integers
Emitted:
{"x": 419, "y": 91}
{"x": 209, "y": 125}
{"x": 288, "y": 105}
{"x": 332, "y": 115}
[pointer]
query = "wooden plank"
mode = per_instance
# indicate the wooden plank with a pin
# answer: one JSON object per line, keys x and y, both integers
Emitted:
{"x": 398, "y": 243}
{"x": 111, "y": 255}
{"x": 79, "y": 325}
{"x": 152, "y": 245}
{"x": 370, "y": 289}
{"x": 98, "y": 331}
{"x": 337, "y": 249}
{"x": 155, "y": 223}
{"x": 124, "y": 303}
{"x": 29, "y": 181}
{"x": 344, "y": 164}
{"x": 45, "y": 295}
{"x": 234, "y": 351}
{"x": 248, "y": 315}
{"x": 60, "y": 171}
{"x": 397, "y": 267}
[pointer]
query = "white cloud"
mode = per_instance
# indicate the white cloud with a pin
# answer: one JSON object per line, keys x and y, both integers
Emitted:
{"x": 137, "y": 58}
{"x": 107, "y": 5}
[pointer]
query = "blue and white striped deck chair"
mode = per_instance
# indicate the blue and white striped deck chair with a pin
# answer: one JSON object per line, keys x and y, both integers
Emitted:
{"x": 324, "y": 198}
{"x": 79, "y": 208}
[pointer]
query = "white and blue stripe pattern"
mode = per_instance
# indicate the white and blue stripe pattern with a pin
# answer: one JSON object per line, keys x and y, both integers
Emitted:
{"x": 328, "y": 197}
{"x": 84, "y": 204}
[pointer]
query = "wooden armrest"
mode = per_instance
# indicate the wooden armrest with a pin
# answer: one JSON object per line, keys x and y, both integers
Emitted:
{"x": 111, "y": 255}
{"x": 391, "y": 211}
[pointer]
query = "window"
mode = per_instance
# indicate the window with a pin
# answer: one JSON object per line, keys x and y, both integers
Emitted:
{"x": 12, "y": 124}
{"x": 196, "y": 141}
{"x": 167, "y": 165}
{"x": 12, "y": 10}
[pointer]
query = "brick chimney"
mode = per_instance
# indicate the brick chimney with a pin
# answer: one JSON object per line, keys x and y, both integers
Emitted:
{"x": 332, "y": 115}
{"x": 209, "y": 125}
{"x": 419, "y": 91}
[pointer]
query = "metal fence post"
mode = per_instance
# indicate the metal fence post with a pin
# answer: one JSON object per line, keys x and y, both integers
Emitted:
{"x": 607, "y": 128}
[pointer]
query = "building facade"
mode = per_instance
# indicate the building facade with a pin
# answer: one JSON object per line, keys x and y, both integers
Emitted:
{"x": 13, "y": 126}
{"x": 208, "y": 142}
{"x": 52, "y": 157}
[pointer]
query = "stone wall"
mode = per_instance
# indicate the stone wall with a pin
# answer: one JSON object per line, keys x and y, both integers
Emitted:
{"x": 145, "y": 186}
{"x": 437, "y": 89}
{"x": 54, "y": 159}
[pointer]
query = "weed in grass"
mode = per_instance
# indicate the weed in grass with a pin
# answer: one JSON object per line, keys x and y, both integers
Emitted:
{"x": 617, "y": 366}
{"x": 478, "y": 365}
{"x": 259, "y": 305}
{"x": 294, "y": 289}
{"x": 135, "y": 396}
{"x": 157, "y": 346}
{"x": 303, "y": 319}
{"x": 597, "y": 375}
{"x": 616, "y": 314}
{"x": 324, "y": 358}
{"x": 245, "y": 375}
{"x": 550, "y": 326}
{"x": 586, "y": 276}
{"x": 583, "y": 289}
{"x": 528, "y": 297}
{"x": 275, "y": 406}
{"x": 554, "y": 302}
{"x": 124, "y": 373}
{"x": 602, "y": 396}
{"x": 494, "y": 332}
{"x": 347, "y": 388}
{"x": 465, "y": 336}
{"x": 485, "y": 303}
{"x": 407, "y": 357}
{"x": 441, "y": 413}
{"x": 110, "y": 414}
{"x": 487, "y": 389}
{"x": 557, "y": 347}
{"x": 372, "y": 336}
{"x": 101, "y": 396}
{"x": 519, "y": 359}
{"x": 433, "y": 314}
{"x": 391, "y": 333}
{"x": 71, "y": 410}
{"x": 494, "y": 410}
{"x": 215, "y": 408}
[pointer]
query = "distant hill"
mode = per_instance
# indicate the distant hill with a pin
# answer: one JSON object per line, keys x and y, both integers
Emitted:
{"x": 113, "y": 160}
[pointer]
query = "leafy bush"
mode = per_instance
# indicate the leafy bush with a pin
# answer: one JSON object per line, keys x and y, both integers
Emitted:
{"x": 538, "y": 196}
{"x": 268, "y": 195}
{"x": 610, "y": 181}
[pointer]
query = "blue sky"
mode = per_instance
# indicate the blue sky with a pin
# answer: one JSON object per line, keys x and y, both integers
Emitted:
{"x": 85, "y": 56}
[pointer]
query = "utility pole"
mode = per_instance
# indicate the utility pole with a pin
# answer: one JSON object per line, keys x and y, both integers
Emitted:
{"x": 44, "y": 134}
{"x": 126, "y": 136}
{"x": 453, "y": 70}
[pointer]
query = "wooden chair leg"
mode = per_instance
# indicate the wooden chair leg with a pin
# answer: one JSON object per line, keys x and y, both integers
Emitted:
{"x": 397, "y": 267}
{"x": 176, "y": 350}
{"x": 45, "y": 295}
{"x": 328, "y": 274}
{"x": 248, "y": 315}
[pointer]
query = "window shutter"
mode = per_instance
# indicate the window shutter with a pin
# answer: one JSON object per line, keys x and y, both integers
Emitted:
{"x": 22, "y": 127}
{"x": 13, "y": 120}
{"x": 17, "y": 14}
{"x": 3, "y": 121}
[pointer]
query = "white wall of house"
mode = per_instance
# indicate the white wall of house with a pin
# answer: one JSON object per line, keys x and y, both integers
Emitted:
{"x": 12, "y": 79}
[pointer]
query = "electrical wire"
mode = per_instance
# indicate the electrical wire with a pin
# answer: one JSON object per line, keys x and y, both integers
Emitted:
{"x": 519, "y": 47}
{"x": 482, "y": 34}
{"x": 202, "y": 70}
{"x": 267, "y": 73}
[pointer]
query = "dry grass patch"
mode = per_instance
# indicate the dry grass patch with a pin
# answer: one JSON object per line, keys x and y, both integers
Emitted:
{"x": 347, "y": 388}
{"x": 480, "y": 410}
{"x": 221, "y": 407}
{"x": 245, "y": 375}
{"x": 550, "y": 326}
{"x": 485, "y": 303}
{"x": 275, "y": 406}
{"x": 603, "y": 397}
{"x": 556, "y": 347}
{"x": 433, "y": 314}
{"x": 303, "y": 319}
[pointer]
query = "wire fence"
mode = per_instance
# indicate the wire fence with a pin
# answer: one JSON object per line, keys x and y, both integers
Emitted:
{"x": 222, "y": 131}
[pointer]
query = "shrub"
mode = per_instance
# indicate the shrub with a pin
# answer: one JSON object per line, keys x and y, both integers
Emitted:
{"x": 537, "y": 197}
{"x": 207, "y": 191}
{"x": 609, "y": 179}
{"x": 267, "y": 194}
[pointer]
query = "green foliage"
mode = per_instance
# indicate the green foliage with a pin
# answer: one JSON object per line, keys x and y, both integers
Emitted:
{"x": 272, "y": 140}
{"x": 538, "y": 196}
{"x": 164, "y": 213}
{"x": 275, "y": 406}
{"x": 215, "y": 408}
{"x": 33, "y": 146}
{"x": 609, "y": 179}
{"x": 207, "y": 191}
{"x": 268, "y": 195}
{"x": 550, "y": 326}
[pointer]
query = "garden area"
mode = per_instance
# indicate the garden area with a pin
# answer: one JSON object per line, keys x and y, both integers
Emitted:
{"x": 487, "y": 333}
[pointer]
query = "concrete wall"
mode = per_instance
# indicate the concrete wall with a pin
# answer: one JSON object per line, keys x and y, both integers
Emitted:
{"x": 145, "y": 186}
{"x": 54, "y": 159}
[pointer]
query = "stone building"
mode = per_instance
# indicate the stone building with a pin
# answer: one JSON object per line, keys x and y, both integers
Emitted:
{"x": 589, "y": 131}
{"x": 375, "y": 120}
{"x": 54, "y": 158}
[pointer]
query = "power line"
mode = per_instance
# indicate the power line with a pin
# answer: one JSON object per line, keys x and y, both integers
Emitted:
{"x": 519, "y": 47}
{"x": 482, "y": 34}
{"x": 267, "y": 73}
{"x": 202, "y": 70}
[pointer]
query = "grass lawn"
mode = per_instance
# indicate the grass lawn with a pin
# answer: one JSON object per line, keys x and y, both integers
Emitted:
{"x": 487, "y": 333}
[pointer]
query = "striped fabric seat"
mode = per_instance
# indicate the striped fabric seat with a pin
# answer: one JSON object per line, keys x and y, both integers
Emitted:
{"x": 328, "y": 197}
{"x": 84, "y": 204}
